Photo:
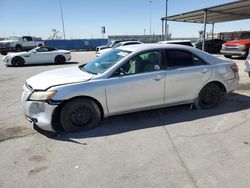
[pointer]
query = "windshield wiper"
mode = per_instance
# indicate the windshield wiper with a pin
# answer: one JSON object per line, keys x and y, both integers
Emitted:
{"x": 83, "y": 69}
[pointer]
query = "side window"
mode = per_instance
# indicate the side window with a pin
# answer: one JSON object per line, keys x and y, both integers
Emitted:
{"x": 42, "y": 49}
{"x": 179, "y": 58}
{"x": 26, "y": 39}
{"x": 145, "y": 62}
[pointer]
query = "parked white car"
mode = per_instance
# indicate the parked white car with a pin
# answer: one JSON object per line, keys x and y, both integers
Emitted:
{"x": 248, "y": 64}
{"x": 127, "y": 79}
{"x": 37, "y": 55}
{"x": 124, "y": 43}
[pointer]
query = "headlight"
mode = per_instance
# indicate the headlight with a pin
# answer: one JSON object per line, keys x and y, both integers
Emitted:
{"x": 242, "y": 47}
{"x": 42, "y": 95}
{"x": 223, "y": 46}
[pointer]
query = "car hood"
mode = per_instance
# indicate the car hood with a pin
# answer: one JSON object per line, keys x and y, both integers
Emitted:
{"x": 56, "y": 77}
{"x": 238, "y": 42}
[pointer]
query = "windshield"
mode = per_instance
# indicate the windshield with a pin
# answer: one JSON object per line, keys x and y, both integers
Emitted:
{"x": 245, "y": 36}
{"x": 34, "y": 49}
{"x": 117, "y": 45}
{"x": 109, "y": 44}
{"x": 101, "y": 64}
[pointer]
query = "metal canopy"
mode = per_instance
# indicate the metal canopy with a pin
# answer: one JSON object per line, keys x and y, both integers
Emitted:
{"x": 238, "y": 10}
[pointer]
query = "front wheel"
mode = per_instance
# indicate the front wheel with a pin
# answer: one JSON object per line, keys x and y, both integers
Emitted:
{"x": 227, "y": 56}
{"x": 209, "y": 97}
{"x": 80, "y": 114}
{"x": 17, "y": 62}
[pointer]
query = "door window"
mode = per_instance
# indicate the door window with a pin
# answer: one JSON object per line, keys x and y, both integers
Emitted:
{"x": 179, "y": 58}
{"x": 43, "y": 49}
{"x": 145, "y": 62}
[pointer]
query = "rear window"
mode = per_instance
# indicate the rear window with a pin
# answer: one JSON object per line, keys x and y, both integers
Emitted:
{"x": 179, "y": 58}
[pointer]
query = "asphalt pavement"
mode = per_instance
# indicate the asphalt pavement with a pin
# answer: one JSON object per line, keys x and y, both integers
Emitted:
{"x": 168, "y": 147}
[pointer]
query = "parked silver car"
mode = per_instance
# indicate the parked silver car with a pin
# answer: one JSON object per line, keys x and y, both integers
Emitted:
{"x": 127, "y": 79}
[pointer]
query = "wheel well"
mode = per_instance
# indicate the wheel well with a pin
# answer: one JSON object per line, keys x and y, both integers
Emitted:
{"x": 56, "y": 124}
{"x": 17, "y": 57}
{"x": 221, "y": 86}
{"x": 18, "y": 45}
{"x": 40, "y": 44}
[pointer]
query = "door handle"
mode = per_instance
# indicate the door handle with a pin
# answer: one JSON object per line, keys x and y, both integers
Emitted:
{"x": 157, "y": 77}
{"x": 204, "y": 71}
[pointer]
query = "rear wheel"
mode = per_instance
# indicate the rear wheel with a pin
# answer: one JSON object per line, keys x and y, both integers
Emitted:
{"x": 18, "y": 48}
{"x": 209, "y": 97}
{"x": 59, "y": 59}
{"x": 80, "y": 114}
{"x": 17, "y": 61}
{"x": 227, "y": 56}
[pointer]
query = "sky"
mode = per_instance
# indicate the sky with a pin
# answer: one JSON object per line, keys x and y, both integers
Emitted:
{"x": 84, "y": 18}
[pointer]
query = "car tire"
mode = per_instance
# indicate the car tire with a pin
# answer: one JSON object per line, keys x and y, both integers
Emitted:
{"x": 17, "y": 62}
{"x": 80, "y": 114}
{"x": 227, "y": 56}
{"x": 245, "y": 56}
{"x": 209, "y": 97}
{"x": 60, "y": 59}
{"x": 18, "y": 48}
{"x": 4, "y": 53}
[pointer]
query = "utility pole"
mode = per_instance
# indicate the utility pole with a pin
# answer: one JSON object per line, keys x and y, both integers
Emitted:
{"x": 166, "y": 21}
{"x": 150, "y": 17}
{"x": 62, "y": 19}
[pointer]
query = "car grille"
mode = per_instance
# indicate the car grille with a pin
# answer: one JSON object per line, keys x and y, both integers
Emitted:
{"x": 231, "y": 48}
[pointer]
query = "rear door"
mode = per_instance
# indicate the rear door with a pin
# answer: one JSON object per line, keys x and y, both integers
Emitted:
{"x": 186, "y": 74}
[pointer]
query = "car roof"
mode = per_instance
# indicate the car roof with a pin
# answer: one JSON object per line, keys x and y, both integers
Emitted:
{"x": 151, "y": 46}
{"x": 156, "y": 46}
{"x": 173, "y": 41}
{"x": 125, "y": 42}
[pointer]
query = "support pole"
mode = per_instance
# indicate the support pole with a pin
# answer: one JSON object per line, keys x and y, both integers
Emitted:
{"x": 212, "y": 30}
{"x": 204, "y": 30}
{"x": 166, "y": 21}
{"x": 162, "y": 29}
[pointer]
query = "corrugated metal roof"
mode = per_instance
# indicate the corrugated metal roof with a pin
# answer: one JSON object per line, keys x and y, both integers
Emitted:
{"x": 238, "y": 10}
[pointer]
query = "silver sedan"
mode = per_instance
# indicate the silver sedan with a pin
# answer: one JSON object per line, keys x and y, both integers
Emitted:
{"x": 126, "y": 79}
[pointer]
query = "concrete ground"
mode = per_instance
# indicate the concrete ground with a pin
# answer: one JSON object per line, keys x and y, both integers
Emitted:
{"x": 169, "y": 147}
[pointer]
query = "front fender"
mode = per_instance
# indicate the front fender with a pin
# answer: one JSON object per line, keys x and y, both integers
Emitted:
{"x": 94, "y": 89}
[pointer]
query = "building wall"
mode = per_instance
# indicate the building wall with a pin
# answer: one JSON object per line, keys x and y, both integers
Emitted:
{"x": 76, "y": 44}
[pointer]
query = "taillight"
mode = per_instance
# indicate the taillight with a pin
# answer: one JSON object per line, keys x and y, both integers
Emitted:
{"x": 235, "y": 68}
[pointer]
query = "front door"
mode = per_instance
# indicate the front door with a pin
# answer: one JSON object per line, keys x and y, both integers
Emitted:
{"x": 137, "y": 84}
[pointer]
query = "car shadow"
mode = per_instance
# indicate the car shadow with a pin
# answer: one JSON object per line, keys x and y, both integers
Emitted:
{"x": 154, "y": 118}
{"x": 46, "y": 64}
